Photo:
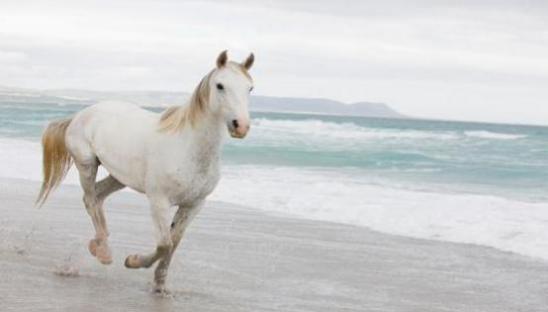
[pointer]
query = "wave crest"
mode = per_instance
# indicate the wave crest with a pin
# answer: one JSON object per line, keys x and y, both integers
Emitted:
{"x": 347, "y": 130}
{"x": 483, "y": 134}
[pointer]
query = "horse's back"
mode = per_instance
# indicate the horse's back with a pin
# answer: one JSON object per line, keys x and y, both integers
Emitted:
{"x": 113, "y": 111}
{"x": 111, "y": 119}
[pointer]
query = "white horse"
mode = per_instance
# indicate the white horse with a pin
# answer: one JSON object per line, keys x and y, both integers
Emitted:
{"x": 171, "y": 157}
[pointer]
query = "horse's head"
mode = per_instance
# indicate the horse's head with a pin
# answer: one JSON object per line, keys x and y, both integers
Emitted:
{"x": 230, "y": 87}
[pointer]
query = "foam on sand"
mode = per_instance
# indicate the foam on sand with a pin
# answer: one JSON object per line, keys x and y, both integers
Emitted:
{"x": 498, "y": 222}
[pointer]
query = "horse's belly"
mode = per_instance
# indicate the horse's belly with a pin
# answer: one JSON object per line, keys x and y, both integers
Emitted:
{"x": 125, "y": 175}
{"x": 123, "y": 161}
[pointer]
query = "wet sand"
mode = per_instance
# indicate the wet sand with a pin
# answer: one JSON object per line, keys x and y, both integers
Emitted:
{"x": 240, "y": 259}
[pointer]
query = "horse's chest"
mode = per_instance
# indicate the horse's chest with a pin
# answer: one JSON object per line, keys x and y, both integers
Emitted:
{"x": 193, "y": 186}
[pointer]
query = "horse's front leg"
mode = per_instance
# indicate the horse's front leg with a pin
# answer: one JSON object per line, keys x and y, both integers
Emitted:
{"x": 160, "y": 216}
{"x": 180, "y": 222}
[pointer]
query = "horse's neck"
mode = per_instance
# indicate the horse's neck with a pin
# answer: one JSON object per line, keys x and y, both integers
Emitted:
{"x": 206, "y": 137}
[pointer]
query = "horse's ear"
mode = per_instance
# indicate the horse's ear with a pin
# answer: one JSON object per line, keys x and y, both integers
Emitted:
{"x": 221, "y": 59}
{"x": 249, "y": 61}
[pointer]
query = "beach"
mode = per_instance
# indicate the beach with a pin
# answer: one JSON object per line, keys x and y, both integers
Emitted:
{"x": 237, "y": 258}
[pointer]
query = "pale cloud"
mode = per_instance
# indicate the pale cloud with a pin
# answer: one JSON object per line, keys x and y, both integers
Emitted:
{"x": 479, "y": 60}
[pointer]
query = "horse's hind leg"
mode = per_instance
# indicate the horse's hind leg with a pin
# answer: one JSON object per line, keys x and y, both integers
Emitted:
{"x": 98, "y": 246}
{"x": 105, "y": 187}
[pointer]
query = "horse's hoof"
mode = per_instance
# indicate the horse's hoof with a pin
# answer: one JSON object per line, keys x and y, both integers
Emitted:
{"x": 93, "y": 244}
{"x": 103, "y": 254}
{"x": 161, "y": 290}
{"x": 133, "y": 262}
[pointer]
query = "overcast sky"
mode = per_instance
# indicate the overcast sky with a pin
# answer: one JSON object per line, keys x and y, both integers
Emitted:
{"x": 478, "y": 60}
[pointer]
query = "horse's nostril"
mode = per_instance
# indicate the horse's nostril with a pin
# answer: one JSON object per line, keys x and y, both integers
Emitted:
{"x": 235, "y": 123}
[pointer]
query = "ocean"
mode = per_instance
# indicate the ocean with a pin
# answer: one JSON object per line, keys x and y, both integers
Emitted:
{"x": 475, "y": 183}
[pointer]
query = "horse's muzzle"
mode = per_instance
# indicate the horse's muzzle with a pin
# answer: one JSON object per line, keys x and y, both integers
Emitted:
{"x": 238, "y": 129}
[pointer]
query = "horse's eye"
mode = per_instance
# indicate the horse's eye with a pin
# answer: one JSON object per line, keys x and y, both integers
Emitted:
{"x": 220, "y": 87}
{"x": 250, "y": 89}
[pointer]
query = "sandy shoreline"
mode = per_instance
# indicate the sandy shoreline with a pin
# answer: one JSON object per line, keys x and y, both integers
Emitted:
{"x": 239, "y": 259}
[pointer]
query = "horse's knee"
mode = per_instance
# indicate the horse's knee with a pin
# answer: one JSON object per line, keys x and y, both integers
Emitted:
{"x": 164, "y": 249}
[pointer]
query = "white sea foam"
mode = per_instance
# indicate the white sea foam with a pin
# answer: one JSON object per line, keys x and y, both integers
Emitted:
{"x": 330, "y": 130}
{"x": 482, "y": 134}
{"x": 314, "y": 128}
{"x": 348, "y": 198}
{"x": 23, "y": 159}
{"x": 477, "y": 219}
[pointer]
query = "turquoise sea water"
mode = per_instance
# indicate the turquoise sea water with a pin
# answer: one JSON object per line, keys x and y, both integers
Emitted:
{"x": 506, "y": 160}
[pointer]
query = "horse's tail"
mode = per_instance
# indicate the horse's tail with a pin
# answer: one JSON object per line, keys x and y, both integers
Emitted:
{"x": 56, "y": 159}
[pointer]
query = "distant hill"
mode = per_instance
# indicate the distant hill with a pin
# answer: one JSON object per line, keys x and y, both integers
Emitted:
{"x": 163, "y": 99}
{"x": 322, "y": 106}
